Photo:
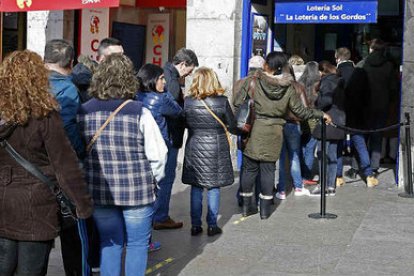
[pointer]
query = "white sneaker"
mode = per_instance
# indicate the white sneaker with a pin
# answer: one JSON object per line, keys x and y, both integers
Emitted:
{"x": 302, "y": 192}
{"x": 281, "y": 195}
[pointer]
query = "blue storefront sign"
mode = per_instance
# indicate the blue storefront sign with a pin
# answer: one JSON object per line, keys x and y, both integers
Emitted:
{"x": 328, "y": 11}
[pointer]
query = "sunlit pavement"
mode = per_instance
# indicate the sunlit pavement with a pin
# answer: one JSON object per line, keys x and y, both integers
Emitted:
{"x": 372, "y": 235}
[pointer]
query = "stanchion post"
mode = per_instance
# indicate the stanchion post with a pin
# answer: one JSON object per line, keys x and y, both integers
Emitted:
{"x": 409, "y": 190}
{"x": 323, "y": 170}
{"x": 323, "y": 214}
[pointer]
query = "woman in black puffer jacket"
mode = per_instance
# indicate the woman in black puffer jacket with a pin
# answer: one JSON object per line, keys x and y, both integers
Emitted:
{"x": 207, "y": 161}
{"x": 330, "y": 100}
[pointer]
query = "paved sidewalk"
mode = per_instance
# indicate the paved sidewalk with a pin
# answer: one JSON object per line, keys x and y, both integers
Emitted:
{"x": 373, "y": 235}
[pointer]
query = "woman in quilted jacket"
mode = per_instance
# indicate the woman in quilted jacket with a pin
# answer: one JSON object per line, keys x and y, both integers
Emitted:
{"x": 207, "y": 162}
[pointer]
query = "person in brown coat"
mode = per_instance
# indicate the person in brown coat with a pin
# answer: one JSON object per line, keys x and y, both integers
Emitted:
{"x": 30, "y": 122}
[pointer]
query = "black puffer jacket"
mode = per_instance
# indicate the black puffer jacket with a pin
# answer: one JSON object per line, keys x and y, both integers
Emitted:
{"x": 331, "y": 100}
{"x": 207, "y": 161}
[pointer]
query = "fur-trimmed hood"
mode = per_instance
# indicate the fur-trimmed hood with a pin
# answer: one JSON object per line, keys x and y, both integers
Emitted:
{"x": 274, "y": 87}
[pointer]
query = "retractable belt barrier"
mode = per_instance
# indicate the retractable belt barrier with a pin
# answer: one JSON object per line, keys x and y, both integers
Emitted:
{"x": 408, "y": 187}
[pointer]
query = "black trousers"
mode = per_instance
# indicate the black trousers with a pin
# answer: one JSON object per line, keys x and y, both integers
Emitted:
{"x": 24, "y": 258}
{"x": 72, "y": 248}
{"x": 250, "y": 170}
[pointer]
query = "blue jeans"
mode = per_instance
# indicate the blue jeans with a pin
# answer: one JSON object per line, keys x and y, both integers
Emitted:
{"x": 308, "y": 150}
{"x": 213, "y": 205}
{"x": 340, "y": 167}
{"x": 120, "y": 226}
{"x": 331, "y": 160}
{"x": 162, "y": 204}
{"x": 358, "y": 140}
{"x": 292, "y": 147}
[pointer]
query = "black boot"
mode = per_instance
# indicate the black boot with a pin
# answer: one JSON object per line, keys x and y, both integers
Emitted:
{"x": 248, "y": 207}
{"x": 265, "y": 208}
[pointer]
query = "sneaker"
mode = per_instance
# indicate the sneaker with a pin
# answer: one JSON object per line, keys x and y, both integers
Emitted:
{"x": 309, "y": 182}
{"x": 339, "y": 181}
{"x": 168, "y": 224}
{"x": 154, "y": 246}
{"x": 351, "y": 173}
{"x": 302, "y": 192}
{"x": 331, "y": 191}
{"x": 281, "y": 195}
{"x": 95, "y": 269}
{"x": 372, "y": 181}
{"x": 316, "y": 191}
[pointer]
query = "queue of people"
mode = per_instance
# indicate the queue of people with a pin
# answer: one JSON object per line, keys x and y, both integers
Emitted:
{"x": 109, "y": 137}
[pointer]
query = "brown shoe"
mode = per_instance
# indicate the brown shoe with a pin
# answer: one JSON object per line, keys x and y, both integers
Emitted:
{"x": 339, "y": 181}
{"x": 372, "y": 181}
{"x": 168, "y": 224}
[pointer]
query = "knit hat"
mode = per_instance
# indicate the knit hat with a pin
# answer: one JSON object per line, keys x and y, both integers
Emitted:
{"x": 256, "y": 62}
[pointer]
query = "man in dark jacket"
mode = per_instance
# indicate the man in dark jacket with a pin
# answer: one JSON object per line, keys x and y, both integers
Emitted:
{"x": 345, "y": 68}
{"x": 58, "y": 59}
{"x": 371, "y": 87}
{"x": 382, "y": 80}
{"x": 183, "y": 63}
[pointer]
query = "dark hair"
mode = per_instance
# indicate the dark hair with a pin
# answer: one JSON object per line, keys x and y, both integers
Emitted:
{"x": 148, "y": 76}
{"x": 343, "y": 53}
{"x": 310, "y": 78}
{"x": 187, "y": 56}
{"x": 106, "y": 42}
{"x": 377, "y": 44}
{"x": 327, "y": 68}
{"x": 59, "y": 51}
{"x": 276, "y": 61}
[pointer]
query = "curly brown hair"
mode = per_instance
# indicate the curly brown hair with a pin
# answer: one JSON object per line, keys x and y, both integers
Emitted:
{"x": 24, "y": 88}
{"x": 114, "y": 79}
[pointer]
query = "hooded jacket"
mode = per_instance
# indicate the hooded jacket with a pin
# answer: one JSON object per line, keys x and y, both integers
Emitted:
{"x": 273, "y": 97}
{"x": 28, "y": 209}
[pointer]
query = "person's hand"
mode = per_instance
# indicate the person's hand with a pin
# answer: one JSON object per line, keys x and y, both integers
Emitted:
{"x": 327, "y": 118}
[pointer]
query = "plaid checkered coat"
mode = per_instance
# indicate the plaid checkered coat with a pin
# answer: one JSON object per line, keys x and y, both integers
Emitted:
{"x": 117, "y": 169}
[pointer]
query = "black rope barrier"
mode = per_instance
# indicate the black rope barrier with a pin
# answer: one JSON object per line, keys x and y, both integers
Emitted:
{"x": 409, "y": 187}
{"x": 368, "y": 131}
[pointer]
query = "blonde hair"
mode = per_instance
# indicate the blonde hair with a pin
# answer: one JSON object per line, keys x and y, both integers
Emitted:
{"x": 205, "y": 84}
{"x": 296, "y": 60}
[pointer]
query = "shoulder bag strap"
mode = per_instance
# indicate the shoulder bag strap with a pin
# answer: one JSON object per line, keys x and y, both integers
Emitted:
{"x": 36, "y": 172}
{"x": 252, "y": 85}
{"x": 219, "y": 121}
{"x": 99, "y": 131}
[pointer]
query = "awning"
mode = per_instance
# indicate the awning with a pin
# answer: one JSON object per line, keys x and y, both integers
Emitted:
{"x": 161, "y": 3}
{"x": 39, "y": 5}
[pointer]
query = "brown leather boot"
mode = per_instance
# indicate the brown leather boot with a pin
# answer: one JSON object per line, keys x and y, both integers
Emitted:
{"x": 168, "y": 224}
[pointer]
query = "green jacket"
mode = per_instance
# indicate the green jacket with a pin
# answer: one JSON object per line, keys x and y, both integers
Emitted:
{"x": 273, "y": 96}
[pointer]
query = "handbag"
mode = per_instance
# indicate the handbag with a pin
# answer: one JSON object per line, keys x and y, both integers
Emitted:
{"x": 68, "y": 216}
{"x": 245, "y": 116}
{"x": 219, "y": 121}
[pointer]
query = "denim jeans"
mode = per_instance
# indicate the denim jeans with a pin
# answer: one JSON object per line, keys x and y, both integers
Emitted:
{"x": 213, "y": 205}
{"x": 24, "y": 258}
{"x": 375, "y": 139}
{"x": 120, "y": 226}
{"x": 358, "y": 140}
{"x": 162, "y": 204}
{"x": 340, "y": 166}
{"x": 292, "y": 147}
{"x": 331, "y": 161}
{"x": 308, "y": 151}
